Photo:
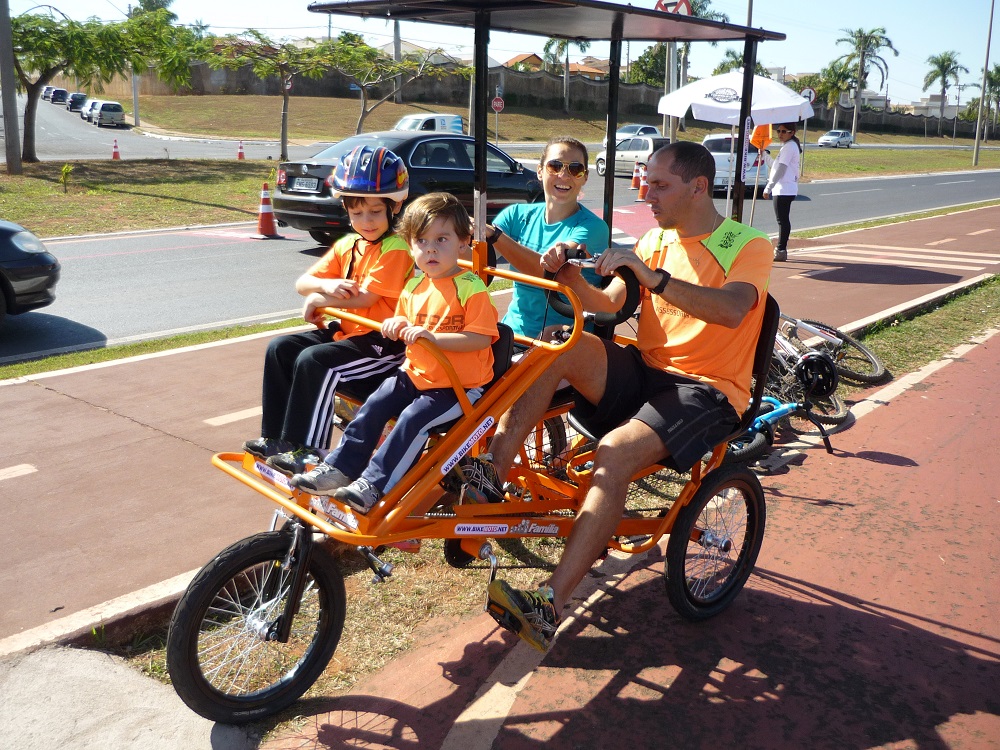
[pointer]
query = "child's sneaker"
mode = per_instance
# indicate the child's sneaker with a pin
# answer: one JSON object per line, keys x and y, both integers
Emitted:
{"x": 322, "y": 479}
{"x": 531, "y": 615}
{"x": 360, "y": 494}
{"x": 295, "y": 461}
{"x": 265, "y": 447}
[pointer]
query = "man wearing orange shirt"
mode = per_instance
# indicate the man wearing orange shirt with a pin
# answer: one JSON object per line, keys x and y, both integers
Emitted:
{"x": 674, "y": 395}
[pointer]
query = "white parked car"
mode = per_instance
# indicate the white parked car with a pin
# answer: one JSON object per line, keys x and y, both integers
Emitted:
{"x": 629, "y": 152}
{"x": 726, "y": 164}
{"x": 108, "y": 113}
{"x": 836, "y": 139}
{"x": 627, "y": 131}
{"x": 439, "y": 123}
{"x": 86, "y": 111}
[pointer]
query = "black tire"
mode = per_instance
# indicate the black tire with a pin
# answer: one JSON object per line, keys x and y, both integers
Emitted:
{"x": 323, "y": 237}
{"x": 222, "y": 609}
{"x": 714, "y": 543}
{"x": 455, "y": 556}
{"x": 854, "y": 360}
{"x": 830, "y": 410}
{"x": 746, "y": 450}
{"x": 601, "y": 166}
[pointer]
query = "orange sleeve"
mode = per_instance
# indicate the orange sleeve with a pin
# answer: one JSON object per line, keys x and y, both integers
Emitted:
{"x": 389, "y": 274}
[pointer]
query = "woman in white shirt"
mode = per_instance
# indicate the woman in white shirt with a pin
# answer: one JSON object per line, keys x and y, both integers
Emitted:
{"x": 783, "y": 184}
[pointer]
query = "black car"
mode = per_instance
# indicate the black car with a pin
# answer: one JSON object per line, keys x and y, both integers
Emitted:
{"x": 436, "y": 162}
{"x": 58, "y": 96}
{"x": 28, "y": 272}
{"x": 75, "y": 100}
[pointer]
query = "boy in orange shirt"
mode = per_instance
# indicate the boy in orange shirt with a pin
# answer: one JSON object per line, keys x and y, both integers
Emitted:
{"x": 363, "y": 272}
{"x": 451, "y": 308}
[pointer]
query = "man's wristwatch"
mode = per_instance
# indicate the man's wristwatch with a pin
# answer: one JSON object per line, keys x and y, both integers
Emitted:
{"x": 491, "y": 239}
{"x": 664, "y": 278}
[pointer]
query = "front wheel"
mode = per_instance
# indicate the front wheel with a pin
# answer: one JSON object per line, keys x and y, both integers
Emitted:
{"x": 714, "y": 543}
{"x": 830, "y": 410}
{"x": 853, "y": 360}
{"x": 602, "y": 167}
{"x": 222, "y": 659}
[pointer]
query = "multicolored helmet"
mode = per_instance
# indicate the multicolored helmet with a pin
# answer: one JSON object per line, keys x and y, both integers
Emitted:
{"x": 371, "y": 171}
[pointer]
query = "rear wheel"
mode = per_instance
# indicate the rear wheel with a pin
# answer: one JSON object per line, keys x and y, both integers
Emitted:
{"x": 714, "y": 543}
{"x": 602, "y": 167}
{"x": 323, "y": 237}
{"x": 221, "y": 655}
{"x": 830, "y": 410}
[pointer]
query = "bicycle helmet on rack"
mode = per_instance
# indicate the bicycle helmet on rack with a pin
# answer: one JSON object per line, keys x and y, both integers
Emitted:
{"x": 817, "y": 374}
{"x": 371, "y": 171}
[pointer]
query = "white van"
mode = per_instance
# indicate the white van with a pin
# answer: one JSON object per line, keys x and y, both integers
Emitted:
{"x": 443, "y": 123}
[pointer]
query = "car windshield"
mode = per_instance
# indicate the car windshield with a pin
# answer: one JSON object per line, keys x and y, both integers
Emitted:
{"x": 338, "y": 150}
{"x": 409, "y": 123}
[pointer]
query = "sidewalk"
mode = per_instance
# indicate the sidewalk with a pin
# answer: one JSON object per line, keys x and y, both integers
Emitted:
{"x": 133, "y": 503}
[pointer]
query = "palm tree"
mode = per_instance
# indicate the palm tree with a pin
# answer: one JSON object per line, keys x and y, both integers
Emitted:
{"x": 992, "y": 92}
{"x": 864, "y": 57}
{"x": 559, "y": 48}
{"x": 944, "y": 68}
{"x": 835, "y": 79}
{"x": 733, "y": 60}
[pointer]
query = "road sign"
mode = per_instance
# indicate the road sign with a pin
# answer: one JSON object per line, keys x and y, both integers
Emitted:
{"x": 497, "y": 104}
{"x": 808, "y": 93}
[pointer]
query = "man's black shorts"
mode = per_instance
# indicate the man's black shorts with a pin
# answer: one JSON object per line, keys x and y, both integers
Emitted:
{"x": 689, "y": 416}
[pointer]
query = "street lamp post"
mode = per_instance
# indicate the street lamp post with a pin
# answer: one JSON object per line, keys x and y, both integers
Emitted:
{"x": 986, "y": 66}
{"x": 958, "y": 108}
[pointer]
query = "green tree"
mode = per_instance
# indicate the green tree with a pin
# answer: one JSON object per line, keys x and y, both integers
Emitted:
{"x": 370, "y": 69}
{"x": 282, "y": 60}
{"x": 556, "y": 49}
{"x": 733, "y": 60}
{"x": 944, "y": 70}
{"x": 835, "y": 79}
{"x": 94, "y": 52}
{"x": 864, "y": 55}
{"x": 151, "y": 6}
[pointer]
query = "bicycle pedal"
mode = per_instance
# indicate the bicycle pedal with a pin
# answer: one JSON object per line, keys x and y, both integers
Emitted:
{"x": 503, "y": 618}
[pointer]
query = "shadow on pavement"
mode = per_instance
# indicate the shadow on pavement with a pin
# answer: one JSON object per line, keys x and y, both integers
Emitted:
{"x": 43, "y": 332}
{"x": 873, "y": 273}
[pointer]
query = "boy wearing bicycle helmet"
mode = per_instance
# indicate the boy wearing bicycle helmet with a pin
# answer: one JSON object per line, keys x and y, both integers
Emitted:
{"x": 363, "y": 272}
{"x": 451, "y": 308}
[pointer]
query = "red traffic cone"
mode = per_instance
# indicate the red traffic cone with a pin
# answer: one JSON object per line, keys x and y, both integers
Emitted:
{"x": 266, "y": 229}
{"x": 239, "y": 153}
{"x": 643, "y": 185}
{"x": 114, "y": 151}
{"x": 635, "y": 177}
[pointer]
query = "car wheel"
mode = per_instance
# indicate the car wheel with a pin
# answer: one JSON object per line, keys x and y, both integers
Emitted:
{"x": 601, "y": 167}
{"x": 847, "y": 145}
{"x": 323, "y": 237}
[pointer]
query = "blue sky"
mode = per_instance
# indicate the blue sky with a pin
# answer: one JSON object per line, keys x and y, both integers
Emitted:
{"x": 917, "y": 28}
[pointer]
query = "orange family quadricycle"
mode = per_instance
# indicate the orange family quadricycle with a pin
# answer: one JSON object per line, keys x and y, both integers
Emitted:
{"x": 260, "y": 622}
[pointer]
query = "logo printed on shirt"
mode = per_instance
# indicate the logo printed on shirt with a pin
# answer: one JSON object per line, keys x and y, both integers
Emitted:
{"x": 454, "y": 322}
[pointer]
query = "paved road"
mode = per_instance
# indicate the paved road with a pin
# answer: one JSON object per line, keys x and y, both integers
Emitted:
{"x": 113, "y": 461}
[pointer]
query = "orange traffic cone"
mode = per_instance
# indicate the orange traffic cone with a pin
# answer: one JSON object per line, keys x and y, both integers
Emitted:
{"x": 239, "y": 153}
{"x": 114, "y": 151}
{"x": 643, "y": 185}
{"x": 635, "y": 177}
{"x": 265, "y": 219}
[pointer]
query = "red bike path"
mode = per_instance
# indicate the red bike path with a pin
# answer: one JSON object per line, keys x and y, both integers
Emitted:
{"x": 871, "y": 621}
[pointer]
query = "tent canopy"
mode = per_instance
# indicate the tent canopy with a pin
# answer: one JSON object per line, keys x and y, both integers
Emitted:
{"x": 587, "y": 20}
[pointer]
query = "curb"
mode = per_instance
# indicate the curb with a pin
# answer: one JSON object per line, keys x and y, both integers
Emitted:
{"x": 121, "y": 620}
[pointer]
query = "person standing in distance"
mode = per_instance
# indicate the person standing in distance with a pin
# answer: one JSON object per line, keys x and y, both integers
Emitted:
{"x": 783, "y": 184}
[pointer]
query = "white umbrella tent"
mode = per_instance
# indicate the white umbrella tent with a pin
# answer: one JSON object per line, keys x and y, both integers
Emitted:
{"x": 718, "y": 99}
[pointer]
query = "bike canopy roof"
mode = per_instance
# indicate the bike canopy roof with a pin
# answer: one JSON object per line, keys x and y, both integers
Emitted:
{"x": 583, "y": 20}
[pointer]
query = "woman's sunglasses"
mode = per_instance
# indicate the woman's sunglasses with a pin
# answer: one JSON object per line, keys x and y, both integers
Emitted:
{"x": 575, "y": 168}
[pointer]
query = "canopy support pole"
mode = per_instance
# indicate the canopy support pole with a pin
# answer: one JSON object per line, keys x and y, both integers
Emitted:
{"x": 614, "y": 74}
{"x": 480, "y": 98}
{"x": 742, "y": 135}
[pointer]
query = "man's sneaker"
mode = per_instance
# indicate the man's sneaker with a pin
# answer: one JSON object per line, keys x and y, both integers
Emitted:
{"x": 265, "y": 447}
{"x": 322, "y": 479}
{"x": 531, "y": 615}
{"x": 480, "y": 482}
{"x": 360, "y": 494}
{"x": 781, "y": 255}
{"x": 296, "y": 461}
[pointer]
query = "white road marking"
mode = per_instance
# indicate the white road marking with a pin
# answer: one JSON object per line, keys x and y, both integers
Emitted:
{"x": 236, "y": 416}
{"x": 918, "y": 254}
{"x": 852, "y": 192}
{"x": 981, "y": 231}
{"x": 17, "y": 471}
{"x": 889, "y": 261}
{"x": 942, "y": 242}
{"x": 953, "y": 182}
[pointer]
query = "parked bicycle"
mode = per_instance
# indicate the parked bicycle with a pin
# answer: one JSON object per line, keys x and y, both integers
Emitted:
{"x": 853, "y": 360}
